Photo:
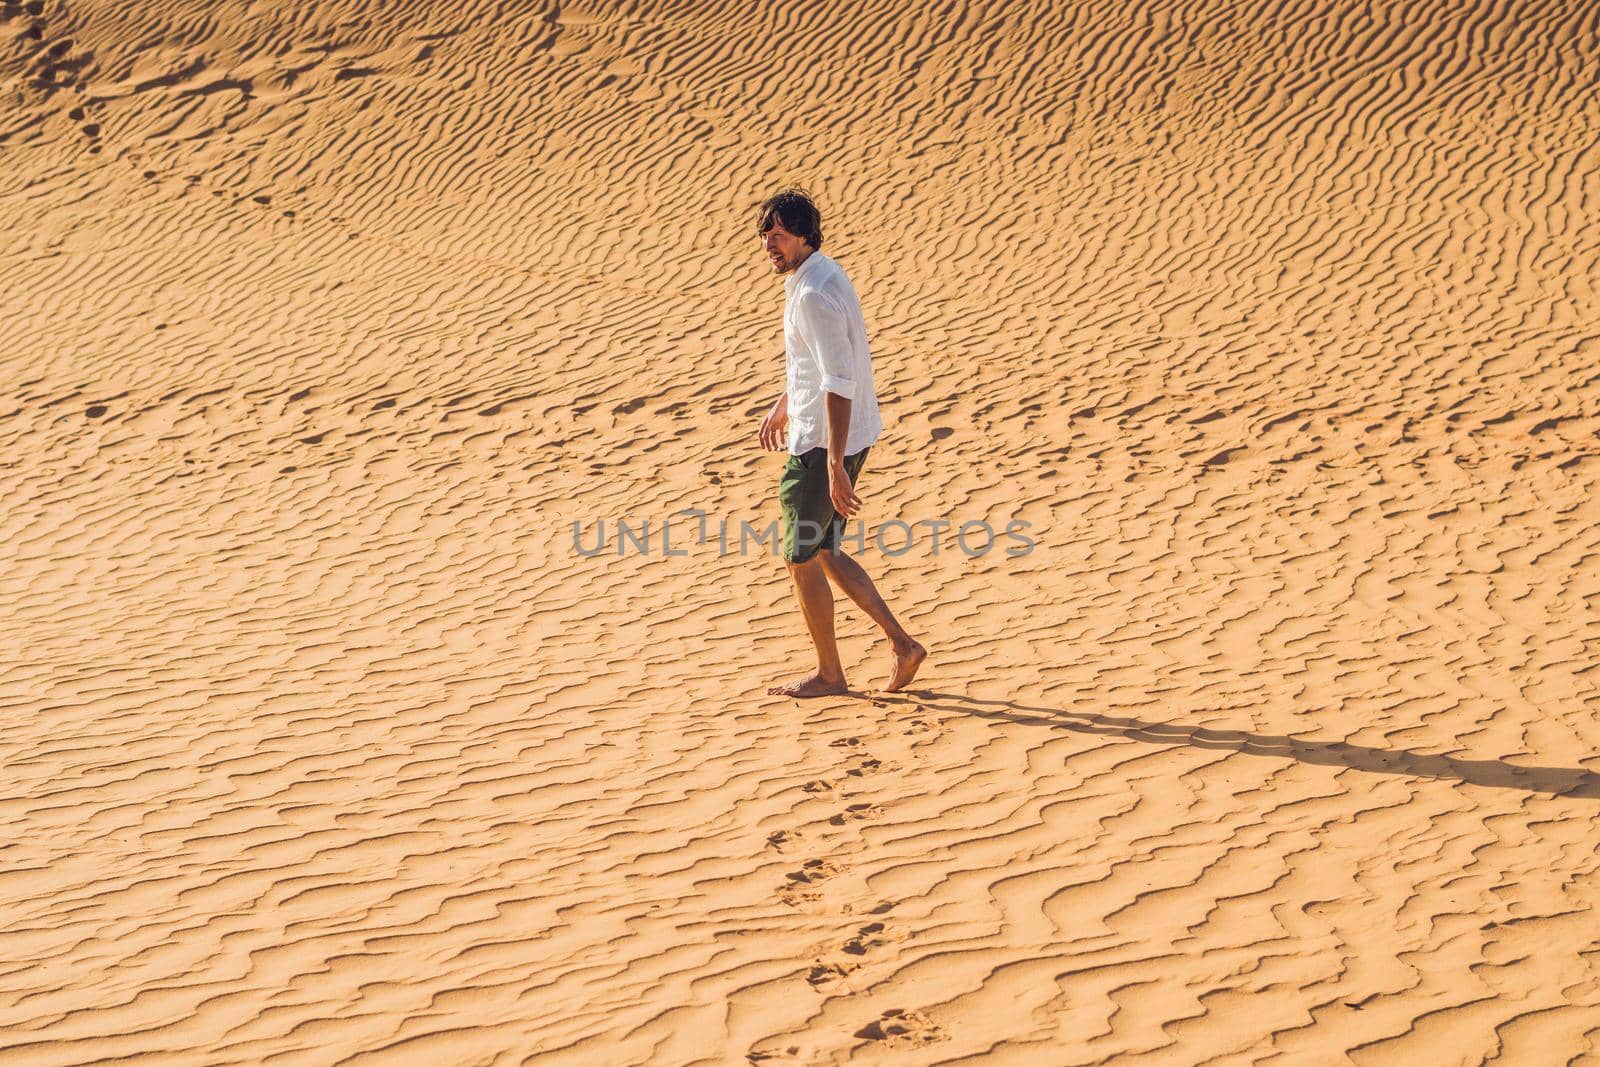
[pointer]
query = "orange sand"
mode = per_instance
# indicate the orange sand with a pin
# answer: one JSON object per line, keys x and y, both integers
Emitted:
{"x": 324, "y": 321}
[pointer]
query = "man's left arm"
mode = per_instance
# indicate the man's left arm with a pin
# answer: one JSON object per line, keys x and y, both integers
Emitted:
{"x": 822, "y": 327}
{"x": 845, "y": 501}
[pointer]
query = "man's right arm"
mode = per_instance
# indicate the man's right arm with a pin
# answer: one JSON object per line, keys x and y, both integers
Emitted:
{"x": 773, "y": 427}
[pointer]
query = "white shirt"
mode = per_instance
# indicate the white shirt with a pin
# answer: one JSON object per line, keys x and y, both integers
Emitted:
{"x": 825, "y": 340}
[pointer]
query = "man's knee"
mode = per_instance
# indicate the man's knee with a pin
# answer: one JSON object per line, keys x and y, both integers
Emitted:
{"x": 809, "y": 563}
{"x": 834, "y": 558}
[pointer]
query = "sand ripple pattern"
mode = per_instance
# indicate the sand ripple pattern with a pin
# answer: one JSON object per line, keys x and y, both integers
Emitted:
{"x": 324, "y": 321}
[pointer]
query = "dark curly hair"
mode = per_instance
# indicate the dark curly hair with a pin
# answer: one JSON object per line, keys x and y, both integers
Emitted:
{"x": 793, "y": 209}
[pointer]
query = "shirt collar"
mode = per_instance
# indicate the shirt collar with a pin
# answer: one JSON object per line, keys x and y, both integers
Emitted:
{"x": 799, "y": 272}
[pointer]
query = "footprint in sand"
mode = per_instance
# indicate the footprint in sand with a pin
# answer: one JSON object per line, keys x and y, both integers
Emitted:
{"x": 783, "y": 839}
{"x": 920, "y": 722}
{"x": 801, "y": 886}
{"x": 856, "y": 812}
{"x": 811, "y": 872}
{"x": 80, "y": 115}
{"x": 829, "y": 974}
{"x": 873, "y": 935}
{"x": 902, "y": 1026}
{"x": 867, "y": 764}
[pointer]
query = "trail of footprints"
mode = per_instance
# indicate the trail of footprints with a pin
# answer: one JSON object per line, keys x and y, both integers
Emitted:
{"x": 56, "y": 63}
{"x": 833, "y": 968}
{"x": 53, "y": 63}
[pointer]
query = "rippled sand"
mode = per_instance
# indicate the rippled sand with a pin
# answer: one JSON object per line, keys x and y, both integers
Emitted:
{"x": 324, "y": 322}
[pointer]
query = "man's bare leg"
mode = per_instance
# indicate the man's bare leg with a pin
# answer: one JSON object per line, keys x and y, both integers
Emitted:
{"x": 816, "y": 604}
{"x": 853, "y": 579}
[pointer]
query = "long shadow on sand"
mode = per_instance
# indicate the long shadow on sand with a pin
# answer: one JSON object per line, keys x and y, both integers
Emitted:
{"x": 1493, "y": 774}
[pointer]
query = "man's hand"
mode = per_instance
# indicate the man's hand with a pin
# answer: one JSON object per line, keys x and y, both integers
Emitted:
{"x": 775, "y": 427}
{"x": 845, "y": 501}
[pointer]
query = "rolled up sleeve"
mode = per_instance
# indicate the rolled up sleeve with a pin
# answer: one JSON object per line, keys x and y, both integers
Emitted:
{"x": 822, "y": 328}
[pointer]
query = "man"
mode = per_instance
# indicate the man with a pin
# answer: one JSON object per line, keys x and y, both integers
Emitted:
{"x": 828, "y": 416}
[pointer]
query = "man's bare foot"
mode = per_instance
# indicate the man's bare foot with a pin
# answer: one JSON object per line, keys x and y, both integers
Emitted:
{"x": 814, "y": 686}
{"x": 907, "y": 658}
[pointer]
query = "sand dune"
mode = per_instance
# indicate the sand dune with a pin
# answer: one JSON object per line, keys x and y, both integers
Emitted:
{"x": 325, "y": 322}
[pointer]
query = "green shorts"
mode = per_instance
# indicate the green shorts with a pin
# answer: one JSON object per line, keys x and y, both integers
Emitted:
{"x": 809, "y": 521}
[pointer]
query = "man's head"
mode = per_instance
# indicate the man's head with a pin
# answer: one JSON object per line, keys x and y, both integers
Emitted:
{"x": 790, "y": 228}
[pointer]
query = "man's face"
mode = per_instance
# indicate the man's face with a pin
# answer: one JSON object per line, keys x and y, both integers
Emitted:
{"x": 784, "y": 250}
